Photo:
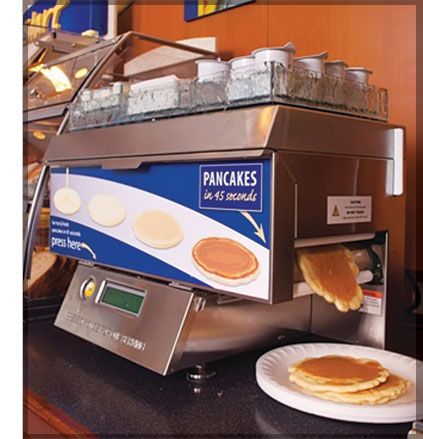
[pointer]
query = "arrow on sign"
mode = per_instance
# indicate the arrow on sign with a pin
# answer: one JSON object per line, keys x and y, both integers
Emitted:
{"x": 87, "y": 247}
{"x": 259, "y": 230}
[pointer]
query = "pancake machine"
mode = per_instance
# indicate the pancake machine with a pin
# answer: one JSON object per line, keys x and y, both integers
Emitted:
{"x": 186, "y": 230}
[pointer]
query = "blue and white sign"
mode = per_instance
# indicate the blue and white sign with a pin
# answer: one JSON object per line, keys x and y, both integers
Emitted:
{"x": 70, "y": 15}
{"x": 236, "y": 186}
{"x": 150, "y": 220}
{"x": 201, "y": 8}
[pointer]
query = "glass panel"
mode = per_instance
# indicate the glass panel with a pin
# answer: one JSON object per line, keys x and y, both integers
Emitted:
{"x": 42, "y": 46}
{"x": 59, "y": 83}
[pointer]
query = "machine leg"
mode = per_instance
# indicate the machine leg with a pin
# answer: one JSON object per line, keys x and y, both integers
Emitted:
{"x": 200, "y": 373}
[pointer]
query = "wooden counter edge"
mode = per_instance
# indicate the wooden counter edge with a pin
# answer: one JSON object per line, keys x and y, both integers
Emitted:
{"x": 43, "y": 420}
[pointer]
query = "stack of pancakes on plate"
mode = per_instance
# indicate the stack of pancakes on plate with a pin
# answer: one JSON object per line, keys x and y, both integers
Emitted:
{"x": 347, "y": 379}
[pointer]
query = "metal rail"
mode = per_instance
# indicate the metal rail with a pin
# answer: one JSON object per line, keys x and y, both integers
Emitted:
{"x": 33, "y": 216}
{"x": 172, "y": 44}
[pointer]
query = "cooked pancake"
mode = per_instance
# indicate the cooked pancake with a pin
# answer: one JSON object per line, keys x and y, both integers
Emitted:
{"x": 158, "y": 229}
{"x": 225, "y": 261}
{"x": 330, "y": 271}
{"x": 336, "y": 373}
{"x": 67, "y": 201}
{"x": 392, "y": 388}
{"x": 106, "y": 210}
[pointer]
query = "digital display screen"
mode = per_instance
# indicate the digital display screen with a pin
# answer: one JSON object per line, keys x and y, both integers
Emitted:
{"x": 123, "y": 298}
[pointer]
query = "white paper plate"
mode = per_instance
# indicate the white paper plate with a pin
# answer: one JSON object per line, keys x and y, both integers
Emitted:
{"x": 272, "y": 377}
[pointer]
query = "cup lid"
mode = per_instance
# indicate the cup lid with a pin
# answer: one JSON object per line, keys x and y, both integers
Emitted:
{"x": 336, "y": 62}
{"x": 289, "y": 47}
{"x": 241, "y": 57}
{"x": 359, "y": 69}
{"x": 161, "y": 80}
{"x": 213, "y": 61}
{"x": 322, "y": 55}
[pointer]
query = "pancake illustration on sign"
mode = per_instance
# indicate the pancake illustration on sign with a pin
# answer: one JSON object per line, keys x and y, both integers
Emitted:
{"x": 330, "y": 271}
{"x": 106, "y": 210}
{"x": 337, "y": 374}
{"x": 158, "y": 229}
{"x": 225, "y": 261}
{"x": 392, "y": 388}
{"x": 67, "y": 200}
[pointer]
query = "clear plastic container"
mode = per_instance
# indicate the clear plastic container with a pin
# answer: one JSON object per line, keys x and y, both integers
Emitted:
{"x": 97, "y": 108}
{"x": 272, "y": 82}
{"x": 267, "y": 82}
{"x": 210, "y": 93}
{"x": 152, "y": 99}
{"x": 249, "y": 83}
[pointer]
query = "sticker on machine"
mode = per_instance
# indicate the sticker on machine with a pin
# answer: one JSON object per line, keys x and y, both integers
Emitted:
{"x": 349, "y": 210}
{"x": 372, "y": 302}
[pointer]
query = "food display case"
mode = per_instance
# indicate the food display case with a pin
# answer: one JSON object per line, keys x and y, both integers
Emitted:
{"x": 50, "y": 90}
{"x": 57, "y": 65}
{"x": 43, "y": 45}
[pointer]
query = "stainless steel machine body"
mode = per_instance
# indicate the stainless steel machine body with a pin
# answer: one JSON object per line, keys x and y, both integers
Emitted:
{"x": 315, "y": 159}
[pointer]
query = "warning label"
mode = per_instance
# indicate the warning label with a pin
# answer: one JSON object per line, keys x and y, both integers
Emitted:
{"x": 335, "y": 211}
{"x": 349, "y": 210}
{"x": 372, "y": 302}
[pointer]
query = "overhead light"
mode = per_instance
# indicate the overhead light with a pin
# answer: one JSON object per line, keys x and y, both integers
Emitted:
{"x": 91, "y": 33}
{"x": 39, "y": 135}
{"x": 58, "y": 78}
{"x": 81, "y": 73}
{"x": 36, "y": 68}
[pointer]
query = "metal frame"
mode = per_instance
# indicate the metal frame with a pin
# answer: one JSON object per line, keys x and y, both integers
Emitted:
{"x": 249, "y": 131}
{"x": 164, "y": 42}
{"x": 64, "y": 42}
{"x": 34, "y": 213}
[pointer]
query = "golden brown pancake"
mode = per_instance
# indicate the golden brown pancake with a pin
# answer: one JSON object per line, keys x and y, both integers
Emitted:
{"x": 336, "y": 373}
{"x": 392, "y": 388}
{"x": 330, "y": 271}
{"x": 225, "y": 261}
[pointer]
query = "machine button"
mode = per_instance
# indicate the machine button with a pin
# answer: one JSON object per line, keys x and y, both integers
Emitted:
{"x": 87, "y": 288}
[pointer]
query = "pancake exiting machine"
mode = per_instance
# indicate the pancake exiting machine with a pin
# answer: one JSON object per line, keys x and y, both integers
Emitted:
{"x": 186, "y": 230}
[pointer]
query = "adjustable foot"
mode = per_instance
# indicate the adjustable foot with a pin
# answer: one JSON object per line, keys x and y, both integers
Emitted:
{"x": 200, "y": 374}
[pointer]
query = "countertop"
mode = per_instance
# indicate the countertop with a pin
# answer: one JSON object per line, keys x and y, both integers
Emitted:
{"x": 115, "y": 398}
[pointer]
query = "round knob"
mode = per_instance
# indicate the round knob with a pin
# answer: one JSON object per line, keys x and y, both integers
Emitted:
{"x": 87, "y": 288}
